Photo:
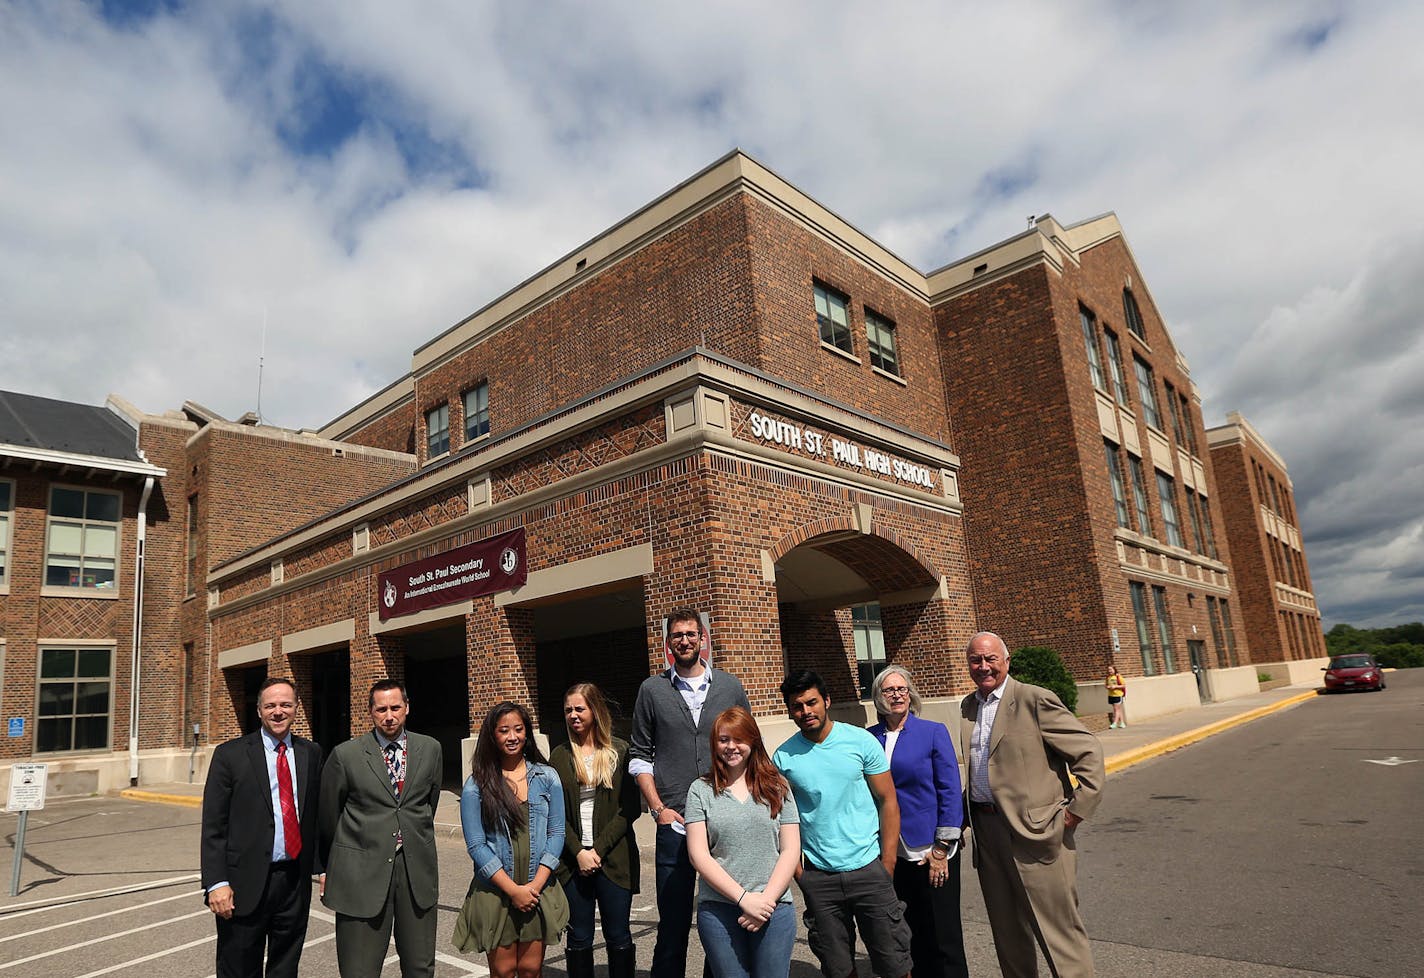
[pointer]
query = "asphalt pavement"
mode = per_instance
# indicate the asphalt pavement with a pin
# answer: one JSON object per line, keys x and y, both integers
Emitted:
{"x": 110, "y": 884}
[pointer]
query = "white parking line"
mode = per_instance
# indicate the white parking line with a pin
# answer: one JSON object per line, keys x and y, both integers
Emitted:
{"x": 53, "y": 903}
{"x": 97, "y": 916}
{"x": 149, "y": 957}
{"x": 469, "y": 968}
{"x": 100, "y": 940}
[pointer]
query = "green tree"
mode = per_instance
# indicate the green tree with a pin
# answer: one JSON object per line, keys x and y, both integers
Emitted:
{"x": 1038, "y": 665}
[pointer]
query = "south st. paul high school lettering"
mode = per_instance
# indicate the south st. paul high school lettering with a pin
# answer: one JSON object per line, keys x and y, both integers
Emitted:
{"x": 493, "y": 564}
{"x": 846, "y": 453}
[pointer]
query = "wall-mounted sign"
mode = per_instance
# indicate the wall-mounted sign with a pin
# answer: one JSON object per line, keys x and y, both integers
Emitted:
{"x": 16, "y": 726}
{"x": 493, "y": 564}
{"x": 839, "y": 451}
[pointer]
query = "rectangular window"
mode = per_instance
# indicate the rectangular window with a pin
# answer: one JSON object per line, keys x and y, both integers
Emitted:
{"x": 476, "y": 411}
{"x": 192, "y": 562}
{"x": 1119, "y": 491}
{"x": 1189, "y": 429}
{"x": 7, "y": 508}
{"x": 437, "y": 431}
{"x": 1194, "y": 513}
{"x": 1164, "y": 627}
{"x": 1174, "y": 410}
{"x": 869, "y": 643}
{"x": 1139, "y": 495}
{"x": 1207, "y": 530}
{"x": 1290, "y": 564}
{"x": 1090, "y": 340}
{"x": 880, "y": 336}
{"x": 1226, "y": 629}
{"x": 1132, "y": 315}
{"x": 1214, "y": 615}
{"x": 1144, "y": 628}
{"x": 833, "y": 318}
{"x": 1167, "y": 490}
{"x": 1119, "y": 380}
{"x": 1147, "y": 393}
{"x": 82, "y": 537}
{"x": 74, "y": 699}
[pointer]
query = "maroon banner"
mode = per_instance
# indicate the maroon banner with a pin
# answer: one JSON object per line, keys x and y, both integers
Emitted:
{"x": 493, "y": 564}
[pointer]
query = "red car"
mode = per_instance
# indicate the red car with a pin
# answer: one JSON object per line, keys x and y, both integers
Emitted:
{"x": 1354, "y": 671}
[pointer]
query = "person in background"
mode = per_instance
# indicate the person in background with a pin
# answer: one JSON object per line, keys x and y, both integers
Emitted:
{"x": 926, "y": 775}
{"x": 744, "y": 840}
{"x": 512, "y": 813}
{"x": 600, "y": 858}
{"x": 1117, "y": 689}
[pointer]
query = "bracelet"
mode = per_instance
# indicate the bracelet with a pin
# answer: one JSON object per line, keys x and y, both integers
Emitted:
{"x": 742, "y": 897}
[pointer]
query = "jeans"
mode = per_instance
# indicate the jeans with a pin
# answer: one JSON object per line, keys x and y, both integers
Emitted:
{"x": 676, "y": 883}
{"x": 615, "y": 904}
{"x": 734, "y": 952}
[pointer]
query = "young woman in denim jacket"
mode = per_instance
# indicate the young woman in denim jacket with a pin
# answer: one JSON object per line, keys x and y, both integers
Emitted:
{"x": 512, "y": 813}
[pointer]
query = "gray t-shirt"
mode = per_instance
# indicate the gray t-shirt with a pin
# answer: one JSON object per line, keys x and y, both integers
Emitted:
{"x": 742, "y": 836}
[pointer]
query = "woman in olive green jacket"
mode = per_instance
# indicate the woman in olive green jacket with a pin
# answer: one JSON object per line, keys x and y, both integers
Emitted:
{"x": 600, "y": 860}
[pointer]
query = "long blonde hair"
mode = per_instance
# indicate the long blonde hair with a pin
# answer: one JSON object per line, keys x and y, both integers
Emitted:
{"x": 605, "y": 758}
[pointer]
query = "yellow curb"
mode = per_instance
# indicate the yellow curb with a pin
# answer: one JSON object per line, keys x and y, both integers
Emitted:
{"x": 189, "y": 801}
{"x": 1126, "y": 759}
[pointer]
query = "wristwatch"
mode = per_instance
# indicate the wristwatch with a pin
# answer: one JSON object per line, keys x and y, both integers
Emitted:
{"x": 655, "y": 812}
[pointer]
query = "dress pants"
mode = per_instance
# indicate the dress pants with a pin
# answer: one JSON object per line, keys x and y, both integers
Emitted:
{"x": 362, "y": 942}
{"x": 1031, "y": 902}
{"x": 936, "y": 932}
{"x": 278, "y": 926}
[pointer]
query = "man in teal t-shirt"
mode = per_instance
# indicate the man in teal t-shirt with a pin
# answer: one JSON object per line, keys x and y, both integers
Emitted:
{"x": 850, "y": 826}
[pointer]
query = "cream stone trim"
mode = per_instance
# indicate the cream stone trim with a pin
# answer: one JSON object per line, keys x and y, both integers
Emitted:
{"x": 903, "y": 382}
{"x": 277, "y": 570}
{"x": 378, "y": 405}
{"x": 1107, "y": 417}
{"x": 1128, "y": 422}
{"x": 320, "y": 638}
{"x": 1199, "y": 474}
{"x": 478, "y": 493}
{"x": 245, "y": 654}
{"x": 1184, "y": 465}
{"x": 214, "y": 597}
{"x": 1239, "y": 431}
{"x": 578, "y": 575}
{"x": 768, "y": 567}
{"x": 938, "y": 591}
{"x": 430, "y": 616}
{"x": 361, "y": 538}
{"x": 306, "y": 439}
{"x": 864, "y": 516}
{"x": 1160, "y": 451}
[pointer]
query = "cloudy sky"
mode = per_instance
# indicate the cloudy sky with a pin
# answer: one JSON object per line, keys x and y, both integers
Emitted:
{"x": 347, "y": 179}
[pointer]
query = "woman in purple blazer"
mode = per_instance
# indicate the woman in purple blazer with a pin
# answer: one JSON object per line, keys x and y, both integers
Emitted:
{"x": 926, "y": 776}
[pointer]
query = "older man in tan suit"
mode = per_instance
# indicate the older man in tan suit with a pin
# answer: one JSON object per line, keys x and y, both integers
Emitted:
{"x": 1024, "y": 751}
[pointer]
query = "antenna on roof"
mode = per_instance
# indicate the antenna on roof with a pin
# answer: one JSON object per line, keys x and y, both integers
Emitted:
{"x": 261, "y": 355}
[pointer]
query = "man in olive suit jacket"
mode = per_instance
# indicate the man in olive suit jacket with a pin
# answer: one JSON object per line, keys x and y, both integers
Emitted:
{"x": 378, "y": 798}
{"x": 1035, "y": 773}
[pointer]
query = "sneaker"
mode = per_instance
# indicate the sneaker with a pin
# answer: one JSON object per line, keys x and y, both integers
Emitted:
{"x": 1112, "y": 726}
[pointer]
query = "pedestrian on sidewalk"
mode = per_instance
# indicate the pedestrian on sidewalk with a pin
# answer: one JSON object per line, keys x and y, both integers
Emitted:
{"x": 1117, "y": 689}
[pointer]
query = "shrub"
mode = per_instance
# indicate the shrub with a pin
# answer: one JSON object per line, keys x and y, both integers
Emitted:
{"x": 1038, "y": 665}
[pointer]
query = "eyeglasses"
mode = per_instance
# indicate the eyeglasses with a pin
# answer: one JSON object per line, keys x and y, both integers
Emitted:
{"x": 987, "y": 660}
{"x": 684, "y": 636}
{"x": 895, "y": 691}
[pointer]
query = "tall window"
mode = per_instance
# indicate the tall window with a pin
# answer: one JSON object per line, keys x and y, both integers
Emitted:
{"x": 880, "y": 336}
{"x": 437, "y": 431}
{"x": 477, "y": 411}
{"x": 1174, "y": 410}
{"x": 1207, "y": 530}
{"x": 1189, "y": 429}
{"x": 74, "y": 699}
{"x": 1290, "y": 564}
{"x": 1147, "y": 393}
{"x": 192, "y": 564}
{"x": 1144, "y": 627}
{"x": 1214, "y": 616}
{"x": 1119, "y": 491}
{"x": 1090, "y": 339}
{"x": 1168, "y": 491}
{"x": 1164, "y": 627}
{"x": 7, "y": 506}
{"x": 1139, "y": 494}
{"x": 82, "y": 532}
{"x": 869, "y": 643}
{"x": 1119, "y": 381}
{"x": 1194, "y": 513}
{"x": 833, "y": 318}
{"x": 1132, "y": 315}
{"x": 1226, "y": 628}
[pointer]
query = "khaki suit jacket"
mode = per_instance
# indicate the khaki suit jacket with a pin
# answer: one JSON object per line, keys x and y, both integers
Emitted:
{"x": 1036, "y": 750}
{"x": 360, "y": 815}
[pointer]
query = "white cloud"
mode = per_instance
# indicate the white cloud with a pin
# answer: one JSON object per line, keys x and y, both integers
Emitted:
{"x": 153, "y": 212}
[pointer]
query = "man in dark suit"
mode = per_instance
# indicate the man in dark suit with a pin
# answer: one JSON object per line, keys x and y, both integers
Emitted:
{"x": 379, "y": 793}
{"x": 1025, "y": 753}
{"x": 259, "y": 840}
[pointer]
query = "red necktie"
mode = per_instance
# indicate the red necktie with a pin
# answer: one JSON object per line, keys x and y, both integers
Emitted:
{"x": 290, "y": 829}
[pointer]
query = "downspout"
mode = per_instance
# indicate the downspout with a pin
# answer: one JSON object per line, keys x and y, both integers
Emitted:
{"x": 136, "y": 666}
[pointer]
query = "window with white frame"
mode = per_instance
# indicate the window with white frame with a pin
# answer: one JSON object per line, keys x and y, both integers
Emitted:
{"x": 869, "y": 643}
{"x": 1119, "y": 381}
{"x": 476, "y": 401}
{"x": 7, "y": 508}
{"x": 1090, "y": 340}
{"x": 82, "y": 538}
{"x": 833, "y": 318}
{"x": 437, "y": 431}
{"x": 75, "y": 699}
{"x": 1167, "y": 490}
{"x": 880, "y": 336}
{"x": 1147, "y": 392}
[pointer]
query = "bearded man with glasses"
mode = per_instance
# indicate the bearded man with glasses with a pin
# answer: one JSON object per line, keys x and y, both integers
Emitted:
{"x": 670, "y": 748}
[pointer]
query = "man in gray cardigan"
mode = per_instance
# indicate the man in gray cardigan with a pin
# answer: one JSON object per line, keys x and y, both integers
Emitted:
{"x": 671, "y": 748}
